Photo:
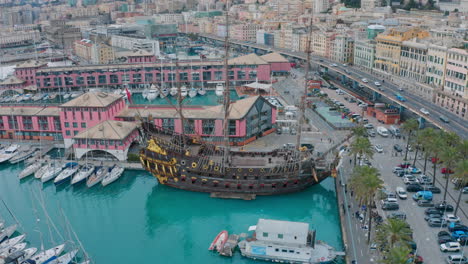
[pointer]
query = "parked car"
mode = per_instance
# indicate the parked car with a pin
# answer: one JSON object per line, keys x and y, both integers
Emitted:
{"x": 430, "y": 216}
{"x": 457, "y": 227}
{"x": 424, "y": 180}
{"x": 397, "y": 148}
{"x": 405, "y": 164}
{"x": 369, "y": 126}
{"x": 443, "y": 233}
{"x": 397, "y": 169}
{"x": 390, "y": 206}
{"x": 378, "y": 148}
{"x": 456, "y": 259}
{"x": 434, "y": 189}
{"x": 457, "y": 234}
{"x": 463, "y": 240}
{"x": 450, "y": 247}
{"x": 333, "y": 65}
{"x": 446, "y": 171}
{"x": 401, "y": 193}
{"x": 424, "y": 111}
{"x": 414, "y": 187}
{"x": 432, "y": 210}
{"x": 423, "y": 195}
{"x": 425, "y": 203}
{"x": 397, "y": 215}
{"x": 443, "y": 206}
{"x": 414, "y": 170}
{"x": 409, "y": 179}
{"x": 445, "y": 239}
{"x": 436, "y": 222}
{"x": 465, "y": 190}
{"x": 451, "y": 218}
{"x": 371, "y": 133}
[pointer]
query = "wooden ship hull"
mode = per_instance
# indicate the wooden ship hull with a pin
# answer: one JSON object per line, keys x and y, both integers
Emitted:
{"x": 201, "y": 168}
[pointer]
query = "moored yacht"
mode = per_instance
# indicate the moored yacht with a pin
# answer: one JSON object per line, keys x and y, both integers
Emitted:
{"x": 97, "y": 176}
{"x": 219, "y": 90}
{"x": 201, "y": 91}
{"x": 83, "y": 173}
{"x": 192, "y": 93}
{"x": 7, "y": 244}
{"x": 65, "y": 258}
{"x": 112, "y": 176}
{"x": 70, "y": 169}
{"x": 51, "y": 173}
{"x": 164, "y": 92}
{"x": 11, "y": 250}
{"x": 9, "y": 153}
{"x": 173, "y": 91}
{"x": 47, "y": 256}
{"x": 7, "y": 232}
{"x": 183, "y": 91}
{"x": 31, "y": 169}
{"x": 153, "y": 93}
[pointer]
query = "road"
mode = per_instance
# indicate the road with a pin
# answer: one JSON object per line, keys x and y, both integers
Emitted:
{"x": 414, "y": 103}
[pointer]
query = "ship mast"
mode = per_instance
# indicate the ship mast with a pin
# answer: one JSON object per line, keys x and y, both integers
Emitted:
{"x": 303, "y": 97}
{"x": 227, "y": 98}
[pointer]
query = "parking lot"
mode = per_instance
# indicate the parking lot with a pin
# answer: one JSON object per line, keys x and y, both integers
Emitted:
{"x": 424, "y": 235}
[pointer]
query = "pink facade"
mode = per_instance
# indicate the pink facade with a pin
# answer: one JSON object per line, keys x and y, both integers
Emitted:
{"x": 141, "y": 59}
{"x": 106, "y": 144}
{"x": 280, "y": 67}
{"x": 76, "y": 119}
{"x": 27, "y": 72}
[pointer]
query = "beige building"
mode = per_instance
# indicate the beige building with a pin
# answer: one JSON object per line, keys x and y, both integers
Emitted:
{"x": 322, "y": 43}
{"x": 364, "y": 53}
{"x": 343, "y": 49}
{"x": 413, "y": 61}
{"x": 95, "y": 53}
{"x": 436, "y": 60}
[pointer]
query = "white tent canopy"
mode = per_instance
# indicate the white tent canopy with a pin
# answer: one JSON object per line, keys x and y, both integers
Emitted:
{"x": 257, "y": 85}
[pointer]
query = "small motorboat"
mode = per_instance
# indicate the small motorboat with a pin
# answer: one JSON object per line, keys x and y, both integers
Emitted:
{"x": 65, "y": 258}
{"x": 9, "y": 153}
{"x": 46, "y": 256}
{"x": 5, "y": 234}
{"x": 83, "y": 173}
{"x": 19, "y": 98}
{"x": 219, "y": 89}
{"x": 219, "y": 241}
{"x": 164, "y": 93}
{"x": 15, "y": 248}
{"x": 173, "y": 91}
{"x": 31, "y": 169}
{"x": 70, "y": 169}
{"x": 27, "y": 97}
{"x": 201, "y": 91}
{"x": 53, "y": 171}
{"x": 20, "y": 256}
{"x": 192, "y": 93}
{"x": 111, "y": 177}
{"x": 97, "y": 176}
{"x": 183, "y": 91}
{"x": 8, "y": 244}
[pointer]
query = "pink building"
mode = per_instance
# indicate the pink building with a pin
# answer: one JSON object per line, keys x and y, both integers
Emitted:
{"x": 26, "y": 71}
{"x": 279, "y": 64}
{"x": 249, "y": 118}
{"x": 106, "y": 138}
{"x": 30, "y": 123}
{"x": 12, "y": 83}
{"x": 242, "y": 70}
{"x": 86, "y": 111}
{"x": 141, "y": 56}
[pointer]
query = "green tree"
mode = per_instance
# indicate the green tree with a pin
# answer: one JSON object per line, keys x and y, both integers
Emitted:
{"x": 449, "y": 158}
{"x": 359, "y": 131}
{"x": 361, "y": 147}
{"x": 397, "y": 255}
{"x": 418, "y": 140}
{"x": 392, "y": 232}
{"x": 461, "y": 173}
{"x": 365, "y": 182}
{"x": 436, "y": 148}
{"x": 452, "y": 139}
{"x": 409, "y": 127}
{"x": 427, "y": 136}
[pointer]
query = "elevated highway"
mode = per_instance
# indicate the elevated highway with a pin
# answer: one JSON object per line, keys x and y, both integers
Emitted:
{"x": 412, "y": 102}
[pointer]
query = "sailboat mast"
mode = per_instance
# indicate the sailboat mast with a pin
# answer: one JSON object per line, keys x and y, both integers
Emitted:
{"x": 227, "y": 98}
{"x": 303, "y": 97}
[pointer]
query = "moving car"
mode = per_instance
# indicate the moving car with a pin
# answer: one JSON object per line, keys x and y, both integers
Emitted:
{"x": 377, "y": 84}
{"x": 401, "y": 193}
{"x": 364, "y": 80}
{"x": 424, "y": 111}
{"x": 378, "y": 148}
{"x": 450, "y": 247}
{"x": 334, "y": 65}
{"x": 397, "y": 148}
{"x": 444, "y": 119}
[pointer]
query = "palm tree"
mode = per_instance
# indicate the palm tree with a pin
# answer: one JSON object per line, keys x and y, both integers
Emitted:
{"x": 461, "y": 172}
{"x": 436, "y": 148}
{"x": 359, "y": 131}
{"x": 409, "y": 126}
{"x": 365, "y": 182}
{"x": 418, "y": 140}
{"x": 395, "y": 231}
{"x": 397, "y": 255}
{"x": 450, "y": 158}
{"x": 452, "y": 139}
{"x": 427, "y": 135}
{"x": 362, "y": 147}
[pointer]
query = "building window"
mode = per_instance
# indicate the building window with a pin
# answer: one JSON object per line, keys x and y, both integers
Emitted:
{"x": 67, "y": 132}
{"x": 83, "y": 125}
{"x": 136, "y": 77}
{"x": 241, "y": 75}
{"x": 57, "y": 81}
{"x": 102, "y": 79}
{"x": 231, "y": 75}
{"x": 57, "y": 125}
{"x": 43, "y": 123}
{"x": 265, "y": 234}
{"x": 80, "y": 80}
{"x": 232, "y": 127}
{"x": 189, "y": 126}
{"x": 67, "y": 124}
{"x": 218, "y": 75}
{"x": 207, "y": 76}
{"x": 195, "y": 76}
{"x": 91, "y": 80}
{"x": 68, "y": 81}
{"x": 27, "y": 122}
{"x": 253, "y": 75}
{"x": 171, "y": 76}
{"x": 75, "y": 124}
{"x": 208, "y": 126}
{"x": 183, "y": 76}
{"x": 75, "y": 133}
{"x": 125, "y": 78}
{"x": 168, "y": 124}
{"x": 148, "y": 77}
{"x": 280, "y": 236}
{"x": 114, "y": 78}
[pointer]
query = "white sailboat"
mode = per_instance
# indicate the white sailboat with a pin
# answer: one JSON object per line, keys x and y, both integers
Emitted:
{"x": 112, "y": 176}
{"x": 22, "y": 155}
{"x": 37, "y": 97}
{"x": 183, "y": 91}
{"x": 66, "y": 258}
{"x": 83, "y": 173}
{"x": 70, "y": 169}
{"x": 31, "y": 169}
{"x": 4, "y": 246}
{"x": 201, "y": 91}
{"x": 174, "y": 91}
{"x": 38, "y": 174}
{"x": 97, "y": 177}
{"x": 145, "y": 94}
{"x": 219, "y": 89}
{"x": 48, "y": 255}
{"x": 6, "y": 233}
{"x": 164, "y": 93}
{"x": 9, "y": 153}
{"x": 153, "y": 93}
{"x": 66, "y": 95}
{"x": 20, "y": 256}
{"x": 14, "y": 248}
{"x": 51, "y": 173}
{"x": 193, "y": 92}
{"x": 76, "y": 94}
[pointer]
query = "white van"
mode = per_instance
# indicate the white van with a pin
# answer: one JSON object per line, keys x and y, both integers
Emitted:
{"x": 382, "y": 131}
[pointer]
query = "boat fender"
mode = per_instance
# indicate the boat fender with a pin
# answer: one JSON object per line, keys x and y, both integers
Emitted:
{"x": 194, "y": 165}
{"x": 250, "y": 170}
{"x": 216, "y": 168}
{"x": 182, "y": 162}
{"x": 205, "y": 167}
{"x": 262, "y": 170}
{"x": 239, "y": 169}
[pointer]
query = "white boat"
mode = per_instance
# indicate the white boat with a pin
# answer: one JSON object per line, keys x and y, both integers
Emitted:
{"x": 173, "y": 91}
{"x": 22, "y": 155}
{"x": 45, "y": 97}
{"x": 145, "y": 94}
{"x": 31, "y": 169}
{"x": 85, "y": 262}
{"x": 65, "y": 258}
{"x": 164, "y": 93}
{"x": 27, "y": 97}
{"x": 19, "y": 98}
{"x": 75, "y": 94}
{"x": 66, "y": 96}
{"x": 97, "y": 176}
{"x": 46, "y": 256}
{"x": 4, "y": 246}
{"x": 9, "y": 153}
{"x": 15, "y": 248}
{"x": 112, "y": 176}
{"x": 219, "y": 89}
{"x": 152, "y": 94}
{"x": 51, "y": 173}
{"x": 37, "y": 97}
{"x": 52, "y": 96}
{"x": 6, "y": 233}
{"x": 201, "y": 91}
{"x": 70, "y": 169}
{"x": 38, "y": 174}
{"x": 183, "y": 91}
{"x": 20, "y": 256}
{"x": 83, "y": 173}
{"x": 192, "y": 93}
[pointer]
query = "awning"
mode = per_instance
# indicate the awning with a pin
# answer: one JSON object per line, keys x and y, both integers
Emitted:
{"x": 257, "y": 85}
{"x": 252, "y": 228}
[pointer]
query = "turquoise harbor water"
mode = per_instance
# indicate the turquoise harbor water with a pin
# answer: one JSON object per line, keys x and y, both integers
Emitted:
{"x": 135, "y": 220}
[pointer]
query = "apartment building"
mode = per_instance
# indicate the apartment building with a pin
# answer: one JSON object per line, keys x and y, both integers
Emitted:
{"x": 131, "y": 43}
{"x": 322, "y": 43}
{"x": 19, "y": 38}
{"x": 436, "y": 60}
{"x": 97, "y": 53}
{"x": 245, "y": 32}
{"x": 343, "y": 49}
{"x": 364, "y": 53}
{"x": 413, "y": 61}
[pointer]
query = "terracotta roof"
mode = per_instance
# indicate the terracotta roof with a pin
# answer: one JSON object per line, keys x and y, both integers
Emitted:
{"x": 274, "y": 57}
{"x": 31, "y": 64}
{"x": 109, "y": 129}
{"x": 29, "y": 111}
{"x": 93, "y": 99}
{"x": 248, "y": 59}
{"x": 11, "y": 80}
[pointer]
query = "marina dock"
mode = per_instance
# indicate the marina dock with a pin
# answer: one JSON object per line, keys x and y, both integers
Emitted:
{"x": 107, "y": 163}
